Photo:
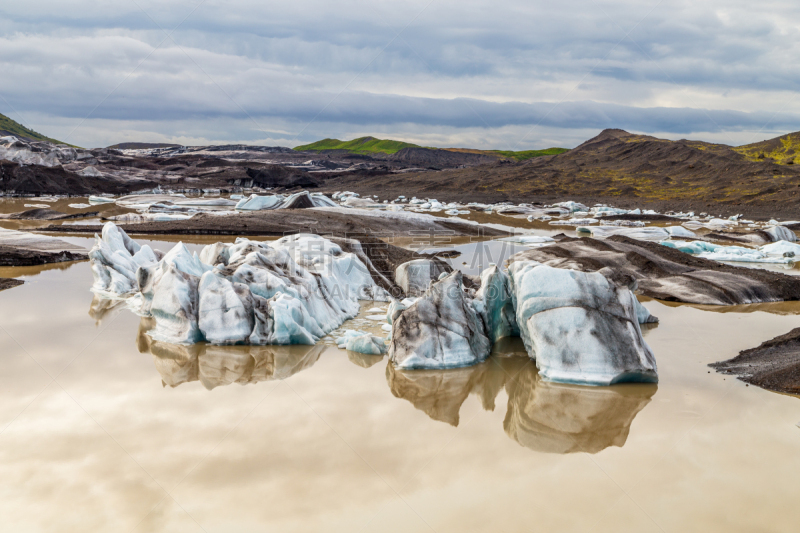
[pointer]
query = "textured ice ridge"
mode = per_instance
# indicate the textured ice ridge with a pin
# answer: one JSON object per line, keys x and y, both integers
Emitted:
{"x": 292, "y": 291}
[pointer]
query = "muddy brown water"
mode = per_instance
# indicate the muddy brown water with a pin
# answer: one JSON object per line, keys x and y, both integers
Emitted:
{"x": 102, "y": 429}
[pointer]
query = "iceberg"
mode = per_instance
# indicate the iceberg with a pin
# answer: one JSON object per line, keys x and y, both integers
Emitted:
{"x": 680, "y": 232}
{"x": 440, "y": 330}
{"x": 781, "y": 233}
{"x": 781, "y": 252}
{"x": 579, "y": 327}
{"x": 292, "y": 291}
{"x": 640, "y": 234}
{"x": 115, "y": 259}
{"x": 361, "y": 342}
{"x": 257, "y": 203}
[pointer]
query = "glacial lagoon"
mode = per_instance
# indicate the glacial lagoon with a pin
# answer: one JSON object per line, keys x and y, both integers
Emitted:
{"x": 104, "y": 429}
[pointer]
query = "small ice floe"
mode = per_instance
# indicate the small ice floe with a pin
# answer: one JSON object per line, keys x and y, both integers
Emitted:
{"x": 257, "y": 203}
{"x": 609, "y": 211}
{"x": 781, "y": 252}
{"x": 353, "y": 201}
{"x": 79, "y": 206}
{"x": 291, "y": 291}
{"x": 529, "y": 240}
{"x": 781, "y": 233}
{"x": 714, "y": 224}
{"x": 641, "y": 234}
{"x": 679, "y": 232}
{"x": 134, "y": 218}
{"x": 38, "y": 206}
{"x": 572, "y": 207}
{"x": 96, "y": 200}
{"x": 579, "y": 327}
{"x": 574, "y": 222}
{"x": 361, "y": 342}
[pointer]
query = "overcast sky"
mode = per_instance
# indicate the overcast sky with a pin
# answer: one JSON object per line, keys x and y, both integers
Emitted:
{"x": 518, "y": 74}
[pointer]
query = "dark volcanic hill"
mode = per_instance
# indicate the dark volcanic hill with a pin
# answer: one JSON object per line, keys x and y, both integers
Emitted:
{"x": 616, "y": 167}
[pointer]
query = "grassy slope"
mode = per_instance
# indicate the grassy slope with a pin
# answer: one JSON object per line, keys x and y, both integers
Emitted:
{"x": 783, "y": 150}
{"x": 363, "y": 145}
{"x": 6, "y": 124}
{"x": 367, "y": 145}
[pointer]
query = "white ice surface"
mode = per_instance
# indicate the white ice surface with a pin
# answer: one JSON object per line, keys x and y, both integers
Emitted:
{"x": 579, "y": 327}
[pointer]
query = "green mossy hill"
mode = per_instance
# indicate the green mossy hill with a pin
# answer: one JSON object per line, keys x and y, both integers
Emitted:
{"x": 8, "y": 126}
{"x": 371, "y": 145}
{"x": 782, "y": 150}
{"x": 362, "y": 145}
{"x": 524, "y": 155}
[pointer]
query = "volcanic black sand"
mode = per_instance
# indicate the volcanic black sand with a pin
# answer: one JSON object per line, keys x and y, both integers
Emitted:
{"x": 7, "y": 283}
{"x": 775, "y": 365}
{"x": 11, "y": 256}
{"x": 290, "y": 221}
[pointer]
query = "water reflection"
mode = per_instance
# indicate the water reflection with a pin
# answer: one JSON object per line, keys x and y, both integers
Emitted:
{"x": 542, "y": 416}
{"x": 557, "y": 418}
{"x": 364, "y": 360}
{"x": 776, "y": 308}
{"x": 216, "y": 366}
{"x": 105, "y": 308}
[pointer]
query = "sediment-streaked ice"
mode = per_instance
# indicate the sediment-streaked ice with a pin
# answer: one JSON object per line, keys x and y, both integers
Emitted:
{"x": 292, "y": 291}
{"x": 440, "y": 330}
{"x": 495, "y": 305}
{"x": 579, "y": 327}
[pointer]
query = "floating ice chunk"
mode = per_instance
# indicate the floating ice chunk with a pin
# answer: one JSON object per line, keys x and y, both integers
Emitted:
{"x": 738, "y": 254}
{"x": 494, "y": 303}
{"x": 579, "y": 327}
{"x": 258, "y": 203}
{"x": 95, "y": 200}
{"x": 680, "y": 232}
{"x": 529, "y": 240}
{"x": 79, "y": 206}
{"x": 573, "y": 207}
{"x": 293, "y": 292}
{"x": 574, "y": 222}
{"x": 782, "y": 248}
{"x": 415, "y": 276}
{"x": 781, "y": 233}
{"x": 641, "y": 234}
{"x": 605, "y": 210}
{"x": 714, "y": 224}
{"x": 361, "y": 342}
{"x": 440, "y": 330}
{"x": 115, "y": 258}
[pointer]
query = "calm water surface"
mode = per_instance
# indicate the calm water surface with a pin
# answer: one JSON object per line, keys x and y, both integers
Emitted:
{"x": 102, "y": 429}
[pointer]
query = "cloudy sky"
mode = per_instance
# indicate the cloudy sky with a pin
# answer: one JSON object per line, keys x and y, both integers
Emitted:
{"x": 519, "y": 74}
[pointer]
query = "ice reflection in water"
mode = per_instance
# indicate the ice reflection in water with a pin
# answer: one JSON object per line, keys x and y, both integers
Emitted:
{"x": 557, "y": 418}
{"x": 215, "y": 366}
{"x": 542, "y": 416}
